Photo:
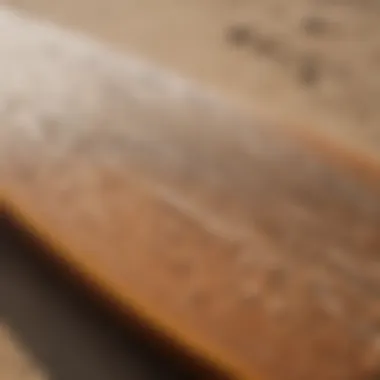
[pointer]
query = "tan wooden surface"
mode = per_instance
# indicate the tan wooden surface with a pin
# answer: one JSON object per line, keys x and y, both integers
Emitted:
{"x": 309, "y": 63}
{"x": 253, "y": 243}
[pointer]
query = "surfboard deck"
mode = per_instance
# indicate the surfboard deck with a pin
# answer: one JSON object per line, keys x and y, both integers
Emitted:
{"x": 250, "y": 244}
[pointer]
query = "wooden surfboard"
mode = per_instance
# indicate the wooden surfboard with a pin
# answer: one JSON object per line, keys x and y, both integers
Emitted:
{"x": 252, "y": 245}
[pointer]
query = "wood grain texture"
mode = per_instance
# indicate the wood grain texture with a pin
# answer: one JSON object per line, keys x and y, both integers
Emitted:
{"x": 251, "y": 245}
{"x": 312, "y": 63}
